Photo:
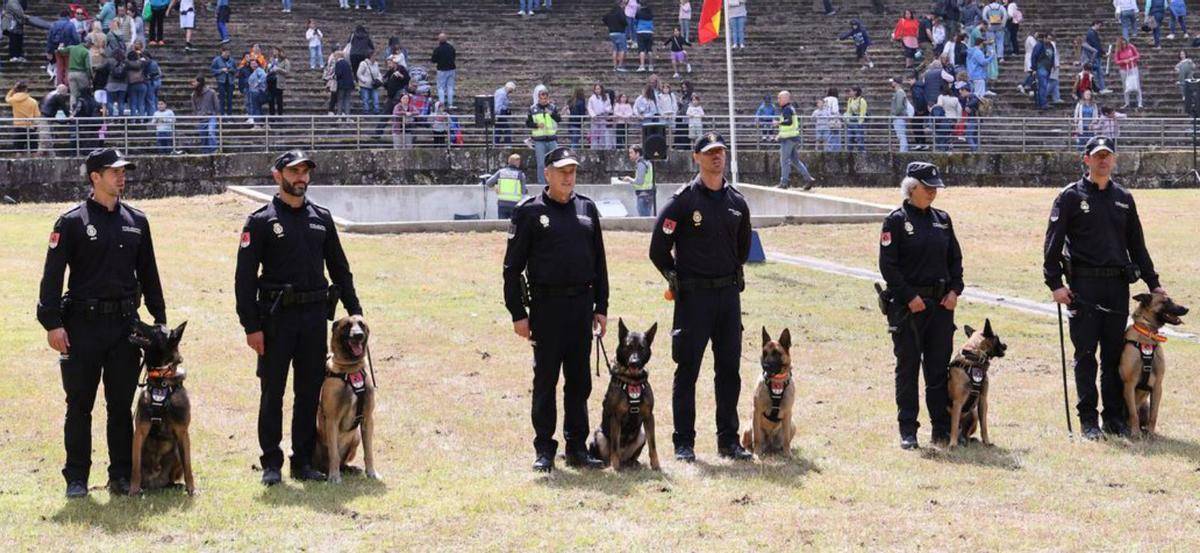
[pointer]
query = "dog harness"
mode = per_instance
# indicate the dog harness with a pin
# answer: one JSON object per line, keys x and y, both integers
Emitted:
{"x": 1146, "y": 351}
{"x": 977, "y": 374}
{"x": 776, "y": 387}
{"x": 633, "y": 389}
{"x": 160, "y": 396}
{"x": 357, "y": 381}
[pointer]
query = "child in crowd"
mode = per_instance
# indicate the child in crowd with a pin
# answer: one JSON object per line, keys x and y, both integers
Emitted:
{"x": 316, "y": 57}
{"x": 695, "y": 114}
{"x": 164, "y": 128}
{"x": 862, "y": 41}
{"x": 678, "y": 55}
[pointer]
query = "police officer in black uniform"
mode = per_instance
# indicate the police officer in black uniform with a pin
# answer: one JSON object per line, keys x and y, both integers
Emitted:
{"x": 555, "y": 238}
{"x": 1095, "y": 239}
{"x": 707, "y": 224}
{"x": 106, "y": 243}
{"x": 921, "y": 261}
{"x": 283, "y": 309}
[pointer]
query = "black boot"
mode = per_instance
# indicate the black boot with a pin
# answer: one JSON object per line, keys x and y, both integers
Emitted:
{"x": 685, "y": 453}
{"x": 77, "y": 489}
{"x": 736, "y": 452}
{"x": 306, "y": 473}
{"x": 271, "y": 476}
{"x": 1091, "y": 431}
{"x": 544, "y": 462}
{"x": 118, "y": 486}
{"x": 581, "y": 459}
{"x": 909, "y": 441}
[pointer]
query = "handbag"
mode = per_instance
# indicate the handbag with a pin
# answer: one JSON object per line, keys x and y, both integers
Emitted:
{"x": 146, "y": 11}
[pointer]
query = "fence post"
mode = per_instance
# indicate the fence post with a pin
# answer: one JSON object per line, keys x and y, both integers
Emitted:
{"x": 1024, "y": 135}
{"x": 221, "y": 134}
{"x": 125, "y": 125}
{"x": 312, "y": 132}
{"x": 266, "y": 134}
{"x": 358, "y": 132}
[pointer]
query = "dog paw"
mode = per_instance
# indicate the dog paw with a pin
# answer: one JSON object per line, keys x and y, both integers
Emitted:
{"x": 193, "y": 492}
{"x": 134, "y": 492}
{"x": 335, "y": 479}
{"x": 373, "y": 475}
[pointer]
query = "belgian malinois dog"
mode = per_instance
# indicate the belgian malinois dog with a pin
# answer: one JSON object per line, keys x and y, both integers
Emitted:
{"x": 162, "y": 449}
{"x": 771, "y": 429}
{"x": 968, "y": 383}
{"x": 1142, "y": 361}
{"x": 627, "y": 422}
{"x": 346, "y": 414}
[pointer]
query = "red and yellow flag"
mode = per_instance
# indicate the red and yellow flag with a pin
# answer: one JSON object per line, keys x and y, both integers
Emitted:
{"x": 710, "y": 20}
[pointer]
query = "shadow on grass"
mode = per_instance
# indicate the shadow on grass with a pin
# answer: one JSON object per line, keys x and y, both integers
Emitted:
{"x": 323, "y": 497}
{"x": 122, "y": 514}
{"x": 612, "y": 482}
{"x": 978, "y": 454}
{"x": 775, "y": 469}
{"x": 1159, "y": 445}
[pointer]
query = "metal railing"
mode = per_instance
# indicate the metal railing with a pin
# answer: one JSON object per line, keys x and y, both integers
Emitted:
{"x": 238, "y": 134}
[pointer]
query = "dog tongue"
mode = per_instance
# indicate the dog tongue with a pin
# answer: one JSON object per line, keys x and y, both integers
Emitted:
{"x": 356, "y": 348}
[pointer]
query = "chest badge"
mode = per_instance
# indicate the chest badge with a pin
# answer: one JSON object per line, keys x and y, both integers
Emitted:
{"x": 697, "y": 218}
{"x": 908, "y": 227}
{"x": 277, "y": 229}
{"x": 1083, "y": 206}
{"x": 91, "y": 231}
{"x": 544, "y": 220}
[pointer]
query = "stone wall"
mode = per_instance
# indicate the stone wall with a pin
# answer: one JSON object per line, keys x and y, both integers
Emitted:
{"x": 61, "y": 179}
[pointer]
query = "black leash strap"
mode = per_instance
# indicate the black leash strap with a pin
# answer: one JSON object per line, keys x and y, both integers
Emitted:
{"x": 1062, "y": 347}
{"x": 371, "y": 365}
{"x": 600, "y": 348}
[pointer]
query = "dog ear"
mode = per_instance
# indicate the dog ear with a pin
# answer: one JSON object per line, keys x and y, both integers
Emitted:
{"x": 970, "y": 331}
{"x": 622, "y": 332}
{"x": 1144, "y": 299}
{"x": 785, "y": 340}
{"x": 649, "y": 335}
{"x": 766, "y": 337}
{"x": 177, "y": 334}
{"x": 987, "y": 328}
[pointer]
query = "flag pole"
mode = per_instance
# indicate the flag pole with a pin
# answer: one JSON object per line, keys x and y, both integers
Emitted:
{"x": 733, "y": 164}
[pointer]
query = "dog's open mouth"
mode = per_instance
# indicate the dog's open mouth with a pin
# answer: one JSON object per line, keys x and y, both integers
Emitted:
{"x": 1170, "y": 319}
{"x": 356, "y": 344}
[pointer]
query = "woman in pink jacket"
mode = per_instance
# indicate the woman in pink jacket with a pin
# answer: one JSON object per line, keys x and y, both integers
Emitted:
{"x": 906, "y": 32}
{"x": 1127, "y": 59}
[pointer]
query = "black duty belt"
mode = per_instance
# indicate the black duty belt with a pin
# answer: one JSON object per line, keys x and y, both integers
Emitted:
{"x": 548, "y": 291}
{"x": 929, "y": 291}
{"x": 293, "y": 298}
{"x": 1098, "y": 272}
{"x": 101, "y": 307}
{"x": 690, "y": 284}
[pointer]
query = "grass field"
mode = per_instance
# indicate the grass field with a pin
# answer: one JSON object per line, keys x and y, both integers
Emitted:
{"x": 453, "y": 424}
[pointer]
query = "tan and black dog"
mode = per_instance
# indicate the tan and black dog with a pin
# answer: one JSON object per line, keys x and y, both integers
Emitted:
{"x": 967, "y": 384}
{"x": 1142, "y": 361}
{"x": 345, "y": 415}
{"x": 627, "y": 422}
{"x": 162, "y": 448}
{"x": 771, "y": 429}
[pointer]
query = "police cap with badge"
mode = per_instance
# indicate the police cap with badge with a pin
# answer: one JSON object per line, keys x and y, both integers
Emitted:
{"x": 292, "y": 158}
{"x": 1100, "y": 144}
{"x": 106, "y": 158}
{"x": 708, "y": 142}
{"x": 560, "y": 157}
{"x": 926, "y": 173}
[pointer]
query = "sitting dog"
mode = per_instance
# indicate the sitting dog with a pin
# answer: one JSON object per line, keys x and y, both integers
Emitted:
{"x": 771, "y": 429}
{"x": 627, "y": 422}
{"x": 162, "y": 449}
{"x": 967, "y": 384}
{"x": 1142, "y": 361}
{"x": 345, "y": 415}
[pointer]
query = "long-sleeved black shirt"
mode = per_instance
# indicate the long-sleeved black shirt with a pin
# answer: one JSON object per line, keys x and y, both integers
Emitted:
{"x": 444, "y": 57}
{"x": 293, "y": 246}
{"x": 1095, "y": 228}
{"x": 560, "y": 245}
{"x": 708, "y": 231}
{"x": 918, "y": 248}
{"x": 110, "y": 254}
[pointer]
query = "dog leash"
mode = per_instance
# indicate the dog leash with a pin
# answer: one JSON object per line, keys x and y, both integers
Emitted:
{"x": 600, "y": 348}
{"x": 371, "y": 365}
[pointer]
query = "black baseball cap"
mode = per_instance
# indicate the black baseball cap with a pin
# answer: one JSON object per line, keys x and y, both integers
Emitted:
{"x": 1098, "y": 143}
{"x": 105, "y": 158}
{"x": 927, "y": 173}
{"x": 560, "y": 157}
{"x": 707, "y": 142}
{"x": 292, "y": 158}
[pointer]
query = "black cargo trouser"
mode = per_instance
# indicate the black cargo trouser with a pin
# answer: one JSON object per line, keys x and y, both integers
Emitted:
{"x": 295, "y": 336}
{"x": 924, "y": 341}
{"x": 1091, "y": 327}
{"x": 702, "y": 315}
{"x": 562, "y": 336}
{"x": 100, "y": 351}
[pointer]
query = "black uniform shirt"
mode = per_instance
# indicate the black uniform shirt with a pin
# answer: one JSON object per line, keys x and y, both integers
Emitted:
{"x": 294, "y": 246}
{"x": 709, "y": 231}
{"x": 110, "y": 254}
{"x": 560, "y": 244}
{"x": 1100, "y": 228}
{"x": 918, "y": 248}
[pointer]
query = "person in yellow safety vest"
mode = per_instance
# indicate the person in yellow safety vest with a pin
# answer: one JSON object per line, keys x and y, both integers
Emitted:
{"x": 543, "y": 119}
{"x": 789, "y": 142}
{"x": 510, "y": 186}
{"x": 642, "y": 181}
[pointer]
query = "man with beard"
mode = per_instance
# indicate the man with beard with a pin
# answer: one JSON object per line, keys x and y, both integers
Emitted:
{"x": 283, "y": 308}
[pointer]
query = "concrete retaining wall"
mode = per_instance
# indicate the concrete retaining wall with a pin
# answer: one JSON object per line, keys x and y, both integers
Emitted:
{"x": 60, "y": 179}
